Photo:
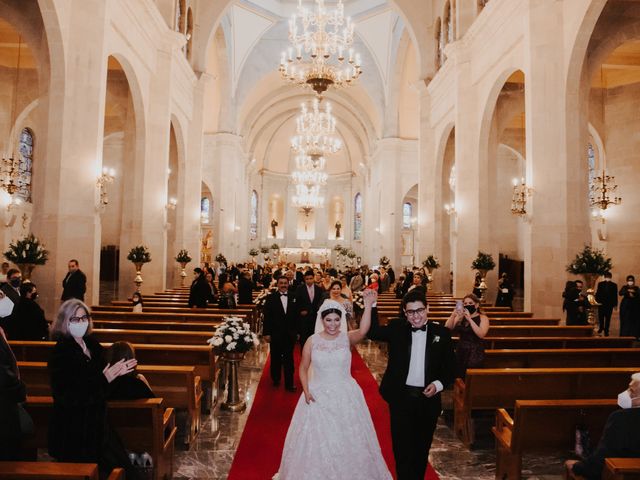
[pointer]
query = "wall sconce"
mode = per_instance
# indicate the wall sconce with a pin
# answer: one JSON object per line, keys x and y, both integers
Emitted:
{"x": 107, "y": 177}
{"x": 450, "y": 208}
{"x": 171, "y": 205}
{"x": 520, "y": 194}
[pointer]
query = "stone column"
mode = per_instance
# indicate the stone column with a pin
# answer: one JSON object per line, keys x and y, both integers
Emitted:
{"x": 65, "y": 194}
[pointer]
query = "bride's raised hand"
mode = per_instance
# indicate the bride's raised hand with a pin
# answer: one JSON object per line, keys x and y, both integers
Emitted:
{"x": 308, "y": 398}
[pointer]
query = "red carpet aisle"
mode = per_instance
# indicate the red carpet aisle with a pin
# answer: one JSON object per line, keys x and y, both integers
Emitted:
{"x": 258, "y": 454}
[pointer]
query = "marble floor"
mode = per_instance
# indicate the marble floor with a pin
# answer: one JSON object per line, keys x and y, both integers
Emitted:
{"x": 211, "y": 455}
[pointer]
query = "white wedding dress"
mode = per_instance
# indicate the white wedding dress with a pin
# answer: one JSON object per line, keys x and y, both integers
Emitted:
{"x": 332, "y": 438}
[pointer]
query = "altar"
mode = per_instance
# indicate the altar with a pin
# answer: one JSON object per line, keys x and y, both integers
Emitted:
{"x": 305, "y": 255}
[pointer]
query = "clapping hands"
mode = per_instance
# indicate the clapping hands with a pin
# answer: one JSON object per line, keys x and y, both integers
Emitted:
{"x": 111, "y": 372}
{"x": 369, "y": 297}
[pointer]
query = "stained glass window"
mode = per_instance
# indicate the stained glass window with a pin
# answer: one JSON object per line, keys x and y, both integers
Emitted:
{"x": 407, "y": 213}
{"x": 253, "y": 223}
{"x": 205, "y": 210}
{"x": 25, "y": 149}
{"x": 357, "y": 217}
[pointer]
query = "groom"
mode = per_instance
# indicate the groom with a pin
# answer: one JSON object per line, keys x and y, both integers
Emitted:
{"x": 421, "y": 363}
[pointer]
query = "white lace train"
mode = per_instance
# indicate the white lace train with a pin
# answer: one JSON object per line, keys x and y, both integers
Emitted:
{"x": 332, "y": 438}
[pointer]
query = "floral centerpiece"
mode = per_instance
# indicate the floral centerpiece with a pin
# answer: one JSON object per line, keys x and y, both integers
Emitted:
{"x": 264, "y": 250}
{"x": 26, "y": 254}
{"x": 233, "y": 336}
{"x": 590, "y": 263}
{"x": 431, "y": 263}
{"x": 351, "y": 254}
{"x": 254, "y": 252}
{"x": 483, "y": 263}
{"x": 275, "y": 246}
{"x": 261, "y": 299}
{"x": 221, "y": 259}
{"x": 139, "y": 255}
{"x": 358, "y": 302}
{"x": 344, "y": 251}
{"x": 183, "y": 257}
{"x": 337, "y": 248}
{"x": 384, "y": 261}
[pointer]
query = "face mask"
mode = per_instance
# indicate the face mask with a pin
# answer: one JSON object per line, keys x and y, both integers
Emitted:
{"x": 625, "y": 400}
{"x": 470, "y": 308}
{"x": 630, "y": 283}
{"x": 77, "y": 330}
{"x": 15, "y": 282}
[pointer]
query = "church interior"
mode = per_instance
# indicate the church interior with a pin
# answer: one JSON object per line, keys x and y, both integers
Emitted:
{"x": 145, "y": 138}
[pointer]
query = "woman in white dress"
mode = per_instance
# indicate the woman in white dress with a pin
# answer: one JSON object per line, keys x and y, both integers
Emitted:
{"x": 331, "y": 436}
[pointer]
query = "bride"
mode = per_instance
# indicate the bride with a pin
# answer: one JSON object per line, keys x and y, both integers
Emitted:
{"x": 331, "y": 436}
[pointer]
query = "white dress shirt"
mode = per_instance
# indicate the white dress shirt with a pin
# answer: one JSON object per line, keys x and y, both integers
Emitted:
{"x": 310, "y": 292}
{"x": 284, "y": 299}
{"x": 416, "y": 375}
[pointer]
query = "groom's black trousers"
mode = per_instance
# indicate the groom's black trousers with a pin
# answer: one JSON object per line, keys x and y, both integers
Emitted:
{"x": 413, "y": 421}
{"x": 282, "y": 359}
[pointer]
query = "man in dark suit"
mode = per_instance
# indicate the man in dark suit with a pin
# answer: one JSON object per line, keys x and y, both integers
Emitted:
{"x": 200, "y": 292}
{"x": 11, "y": 289}
{"x": 279, "y": 329}
{"x": 74, "y": 284}
{"x": 620, "y": 437}
{"x": 421, "y": 363}
{"x": 309, "y": 297}
{"x": 245, "y": 287}
{"x": 607, "y": 296}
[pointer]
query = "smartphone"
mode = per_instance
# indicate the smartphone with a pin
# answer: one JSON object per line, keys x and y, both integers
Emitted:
{"x": 459, "y": 306}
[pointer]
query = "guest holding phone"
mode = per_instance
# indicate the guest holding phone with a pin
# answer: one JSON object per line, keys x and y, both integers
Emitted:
{"x": 472, "y": 326}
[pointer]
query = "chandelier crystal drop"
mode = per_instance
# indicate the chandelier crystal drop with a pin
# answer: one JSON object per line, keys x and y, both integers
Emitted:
{"x": 308, "y": 197}
{"x": 306, "y": 162}
{"x": 316, "y": 131}
{"x": 321, "y": 53}
{"x": 309, "y": 177}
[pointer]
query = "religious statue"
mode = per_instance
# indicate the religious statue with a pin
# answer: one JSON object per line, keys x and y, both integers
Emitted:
{"x": 274, "y": 224}
{"x": 338, "y": 226}
{"x": 207, "y": 246}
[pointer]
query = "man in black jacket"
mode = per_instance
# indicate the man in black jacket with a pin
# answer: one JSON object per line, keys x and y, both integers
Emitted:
{"x": 620, "y": 437}
{"x": 74, "y": 284}
{"x": 245, "y": 287}
{"x": 421, "y": 364}
{"x": 200, "y": 291}
{"x": 309, "y": 297}
{"x": 607, "y": 296}
{"x": 279, "y": 329}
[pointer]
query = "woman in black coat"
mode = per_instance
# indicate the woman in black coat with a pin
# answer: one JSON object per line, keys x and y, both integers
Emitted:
{"x": 78, "y": 430}
{"x": 12, "y": 393}
{"x": 27, "y": 320}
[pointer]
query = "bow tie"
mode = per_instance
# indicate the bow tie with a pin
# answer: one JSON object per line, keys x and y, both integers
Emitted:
{"x": 419, "y": 329}
{"x": 283, "y": 294}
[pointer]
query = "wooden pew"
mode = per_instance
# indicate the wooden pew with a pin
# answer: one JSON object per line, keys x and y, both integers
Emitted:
{"x": 621, "y": 469}
{"x": 497, "y": 343}
{"x": 199, "y": 356}
{"x": 160, "y": 316}
{"x": 143, "y": 426}
{"x": 171, "y": 337}
{"x": 54, "y": 471}
{"x": 490, "y": 389}
{"x": 550, "y": 358}
{"x": 155, "y": 325}
{"x": 179, "y": 386}
{"x": 544, "y": 426}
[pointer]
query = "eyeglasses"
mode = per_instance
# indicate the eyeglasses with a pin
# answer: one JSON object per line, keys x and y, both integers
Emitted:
{"x": 83, "y": 318}
{"x": 416, "y": 312}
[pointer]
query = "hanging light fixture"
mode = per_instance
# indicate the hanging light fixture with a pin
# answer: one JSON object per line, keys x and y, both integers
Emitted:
{"x": 308, "y": 197}
{"x": 321, "y": 53}
{"x": 12, "y": 176}
{"x": 316, "y": 131}
{"x": 519, "y": 199}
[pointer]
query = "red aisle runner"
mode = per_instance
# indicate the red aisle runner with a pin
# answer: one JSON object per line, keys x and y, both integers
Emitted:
{"x": 258, "y": 454}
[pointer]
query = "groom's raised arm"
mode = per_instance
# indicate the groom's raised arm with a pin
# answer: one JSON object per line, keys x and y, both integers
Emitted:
{"x": 377, "y": 332}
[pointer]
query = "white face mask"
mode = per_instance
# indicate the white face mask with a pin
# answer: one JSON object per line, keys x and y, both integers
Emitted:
{"x": 625, "y": 400}
{"x": 77, "y": 330}
{"x": 630, "y": 283}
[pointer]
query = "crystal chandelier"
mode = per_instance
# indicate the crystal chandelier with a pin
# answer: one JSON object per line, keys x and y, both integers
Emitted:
{"x": 519, "y": 199}
{"x": 305, "y": 162}
{"x": 601, "y": 190}
{"x": 316, "y": 131}
{"x": 309, "y": 177}
{"x": 308, "y": 197}
{"x": 321, "y": 54}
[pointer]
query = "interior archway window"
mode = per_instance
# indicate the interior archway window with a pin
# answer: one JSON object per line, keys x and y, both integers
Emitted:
{"x": 25, "y": 149}
{"x": 357, "y": 217}
{"x": 449, "y": 22}
{"x": 407, "y": 213}
{"x": 253, "y": 222}
{"x": 205, "y": 210}
{"x": 452, "y": 179}
{"x": 591, "y": 161}
{"x": 438, "y": 46}
{"x": 441, "y": 45}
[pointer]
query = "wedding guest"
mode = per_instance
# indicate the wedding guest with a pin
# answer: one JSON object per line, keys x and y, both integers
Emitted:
{"x": 308, "y": 298}
{"x": 357, "y": 282}
{"x": 326, "y": 281}
{"x": 12, "y": 395}
{"x": 136, "y": 301}
{"x": 505, "y": 292}
{"x": 132, "y": 385}
{"x": 3, "y": 272}
{"x": 373, "y": 282}
{"x": 335, "y": 294}
{"x": 397, "y": 289}
{"x": 199, "y": 291}
{"x": 227, "y": 297}
{"x": 212, "y": 293}
{"x": 12, "y": 287}
{"x": 472, "y": 326}
{"x": 346, "y": 291}
{"x": 385, "y": 282}
{"x": 78, "y": 428}
{"x": 245, "y": 288}
{"x": 570, "y": 300}
{"x": 27, "y": 322}
{"x": 74, "y": 284}
{"x": 607, "y": 297}
{"x": 630, "y": 309}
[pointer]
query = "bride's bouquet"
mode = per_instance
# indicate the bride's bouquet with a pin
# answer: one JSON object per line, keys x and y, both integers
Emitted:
{"x": 234, "y": 335}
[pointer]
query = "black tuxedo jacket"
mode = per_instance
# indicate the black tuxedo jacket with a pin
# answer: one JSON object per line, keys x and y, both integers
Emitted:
{"x": 620, "y": 439}
{"x": 607, "y": 294}
{"x": 303, "y": 302}
{"x": 278, "y": 323}
{"x": 74, "y": 285}
{"x": 440, "y": 360}
{"x": 245, "y": 287}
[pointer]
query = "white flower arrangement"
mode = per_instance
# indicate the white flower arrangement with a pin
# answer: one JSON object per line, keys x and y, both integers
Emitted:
{"x": 262, "y": 297}
{"x": 234, "y": 335}
{"x": 358, "y": 301}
